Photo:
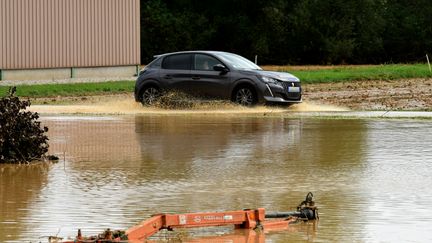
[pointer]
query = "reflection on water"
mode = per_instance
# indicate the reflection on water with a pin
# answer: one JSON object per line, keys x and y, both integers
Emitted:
{"x": 370, "y": 177}
{"x": 19, "y": 187}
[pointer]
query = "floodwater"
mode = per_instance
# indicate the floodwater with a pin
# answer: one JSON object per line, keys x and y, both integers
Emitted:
{"x": 371, "y": 177}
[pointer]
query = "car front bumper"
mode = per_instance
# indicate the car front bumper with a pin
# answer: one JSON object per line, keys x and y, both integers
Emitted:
{"x": 281, "y": 100}
{"x": 281, "y": 94}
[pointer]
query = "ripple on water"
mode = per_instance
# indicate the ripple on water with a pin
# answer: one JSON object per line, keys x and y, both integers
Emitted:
{"x": 370, "y": 177}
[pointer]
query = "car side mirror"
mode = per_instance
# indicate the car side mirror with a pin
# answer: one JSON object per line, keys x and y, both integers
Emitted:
{"x": 220, "y": 68}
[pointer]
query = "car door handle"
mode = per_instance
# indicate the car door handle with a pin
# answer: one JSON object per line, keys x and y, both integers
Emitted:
{"x": 196, "y": 77}
{"x": 168, "y": 76}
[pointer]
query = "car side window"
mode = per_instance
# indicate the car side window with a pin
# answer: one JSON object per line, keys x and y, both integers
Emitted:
{"x": 177, "y": 61}
{"x": 156, "y": 63}
{"x": 205, "y": 62}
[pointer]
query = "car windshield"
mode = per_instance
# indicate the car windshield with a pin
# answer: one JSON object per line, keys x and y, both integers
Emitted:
{"x": 238, "y": 62}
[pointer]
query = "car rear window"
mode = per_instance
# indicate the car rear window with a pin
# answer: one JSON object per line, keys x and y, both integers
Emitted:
{"x": 179, "y": 61}
{"x": 156, "y": 63}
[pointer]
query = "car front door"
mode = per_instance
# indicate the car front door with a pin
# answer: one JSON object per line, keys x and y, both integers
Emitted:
{"x": 206, "y": 81}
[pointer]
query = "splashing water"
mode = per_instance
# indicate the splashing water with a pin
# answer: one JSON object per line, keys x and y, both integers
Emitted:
{"x": 171, "y": 103}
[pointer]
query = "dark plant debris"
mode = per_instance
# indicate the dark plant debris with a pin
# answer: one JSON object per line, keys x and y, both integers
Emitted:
{"x": 22, "y": 139}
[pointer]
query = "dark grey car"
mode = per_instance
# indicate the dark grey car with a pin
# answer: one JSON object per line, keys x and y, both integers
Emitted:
{"x": 213, "y": 74}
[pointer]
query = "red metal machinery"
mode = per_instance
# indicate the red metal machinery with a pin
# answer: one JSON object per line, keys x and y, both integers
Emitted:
{"x": 244, "y": 219}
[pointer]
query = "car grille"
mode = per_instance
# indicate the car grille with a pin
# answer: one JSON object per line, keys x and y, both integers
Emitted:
{"x": 290, "y": 84}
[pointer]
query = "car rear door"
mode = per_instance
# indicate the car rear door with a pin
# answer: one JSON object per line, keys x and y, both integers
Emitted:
{"x": 175, "y": 73}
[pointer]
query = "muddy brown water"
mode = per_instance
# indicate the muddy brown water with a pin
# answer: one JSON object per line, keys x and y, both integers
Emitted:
{"x": 371, "y": 177}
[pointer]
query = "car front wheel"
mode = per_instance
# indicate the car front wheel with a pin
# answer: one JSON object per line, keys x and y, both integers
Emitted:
{"x": 150, "y": 95}
{"x": 245, "y": 96}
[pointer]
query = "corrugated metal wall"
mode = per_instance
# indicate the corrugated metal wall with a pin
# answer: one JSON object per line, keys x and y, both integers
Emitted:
{"x": 69, "y": 33}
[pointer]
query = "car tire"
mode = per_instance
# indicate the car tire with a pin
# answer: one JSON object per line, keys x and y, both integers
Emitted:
{"x": 150, "y": 95}
{"x": 245, "y": 96}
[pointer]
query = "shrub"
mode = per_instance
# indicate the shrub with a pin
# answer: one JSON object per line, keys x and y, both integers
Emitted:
{"x": 21, "y": 137}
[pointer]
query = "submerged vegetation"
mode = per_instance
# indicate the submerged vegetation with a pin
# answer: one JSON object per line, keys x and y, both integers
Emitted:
{"x": 21, "y": 137}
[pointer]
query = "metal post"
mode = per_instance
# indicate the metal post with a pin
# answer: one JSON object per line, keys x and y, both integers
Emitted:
{"x": 137, "y": 70}
{"x": 1, "y": 75}
{"x": 427, "y": 58}
{"x": 256, "y": 59}
{"x": 72, "y": 72}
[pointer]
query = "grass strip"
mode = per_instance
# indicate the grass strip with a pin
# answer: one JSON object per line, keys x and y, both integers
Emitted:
{"x": 73, "y": 89}
{"x": 356, "y": 73}
{"x": 307, "y": 75}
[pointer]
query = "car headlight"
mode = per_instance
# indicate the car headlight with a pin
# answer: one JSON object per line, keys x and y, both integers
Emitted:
{"x": 270, "y": 80}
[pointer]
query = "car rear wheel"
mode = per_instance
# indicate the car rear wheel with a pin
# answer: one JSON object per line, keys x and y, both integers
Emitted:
{"x": 150, "y": 95}
{"x": 245, "y": 96}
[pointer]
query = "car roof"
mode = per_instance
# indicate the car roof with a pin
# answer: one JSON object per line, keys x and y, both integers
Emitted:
{"x": 192, "y": 52}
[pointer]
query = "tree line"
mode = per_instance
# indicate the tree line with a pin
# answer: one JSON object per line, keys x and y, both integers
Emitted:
{"x": 291, "y": 31}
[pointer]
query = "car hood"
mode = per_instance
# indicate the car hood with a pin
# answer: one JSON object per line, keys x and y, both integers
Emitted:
{"x": 282, "y": 76}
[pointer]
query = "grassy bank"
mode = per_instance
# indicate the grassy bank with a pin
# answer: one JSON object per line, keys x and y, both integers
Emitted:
{"x": 307, "y": 74}
{"x": 326, "y": 74}
{"x": 75, "y": 89}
